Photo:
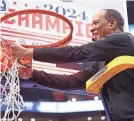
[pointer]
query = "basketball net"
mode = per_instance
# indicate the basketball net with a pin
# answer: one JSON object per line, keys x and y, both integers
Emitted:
{"x": 10, "y": 99}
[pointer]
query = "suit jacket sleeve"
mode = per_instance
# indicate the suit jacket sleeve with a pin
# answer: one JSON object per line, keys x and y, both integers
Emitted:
{"x": 74, "y": 81}
{"x": 105, "y": 49}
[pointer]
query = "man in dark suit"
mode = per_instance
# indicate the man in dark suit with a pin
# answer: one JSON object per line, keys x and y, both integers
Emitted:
{"x": 109, "y": 42}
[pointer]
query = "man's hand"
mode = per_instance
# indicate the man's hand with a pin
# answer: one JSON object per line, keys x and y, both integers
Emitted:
{"x": 19, "y": 51}
{"x": 25, "y": 73}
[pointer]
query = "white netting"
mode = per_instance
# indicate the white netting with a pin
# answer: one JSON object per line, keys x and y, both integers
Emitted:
{"x": 11, "y": 102}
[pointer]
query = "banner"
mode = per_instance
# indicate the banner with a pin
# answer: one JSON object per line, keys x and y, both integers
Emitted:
{"x": 79, "y": 12}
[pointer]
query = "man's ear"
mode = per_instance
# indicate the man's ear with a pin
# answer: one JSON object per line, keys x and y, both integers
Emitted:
{"x": 113, "y": 23}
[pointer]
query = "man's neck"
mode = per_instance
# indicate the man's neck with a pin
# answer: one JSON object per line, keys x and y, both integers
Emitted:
{"x": 117, "y": 31}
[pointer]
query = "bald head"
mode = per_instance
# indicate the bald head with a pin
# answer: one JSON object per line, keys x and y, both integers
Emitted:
{"x": 105, "y": 22}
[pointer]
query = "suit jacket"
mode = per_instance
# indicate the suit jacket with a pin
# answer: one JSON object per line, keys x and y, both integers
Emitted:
{"x": 118, "y": 92}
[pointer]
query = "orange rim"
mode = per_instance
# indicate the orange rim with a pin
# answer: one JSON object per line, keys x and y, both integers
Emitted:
{"x": 61, "y": 43}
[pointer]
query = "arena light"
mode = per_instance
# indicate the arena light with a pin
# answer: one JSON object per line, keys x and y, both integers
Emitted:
{"x": 96, "y": 98}
{"x": 73, "y": 99}
{"x": 32, "y": 119}
{"x": 20, "y": 119}
{"x": 103, "y": 117}
{"x": 89, "y": 118}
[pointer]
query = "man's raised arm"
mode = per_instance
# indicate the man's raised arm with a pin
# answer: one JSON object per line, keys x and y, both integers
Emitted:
{"x": 105, "y": 49}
